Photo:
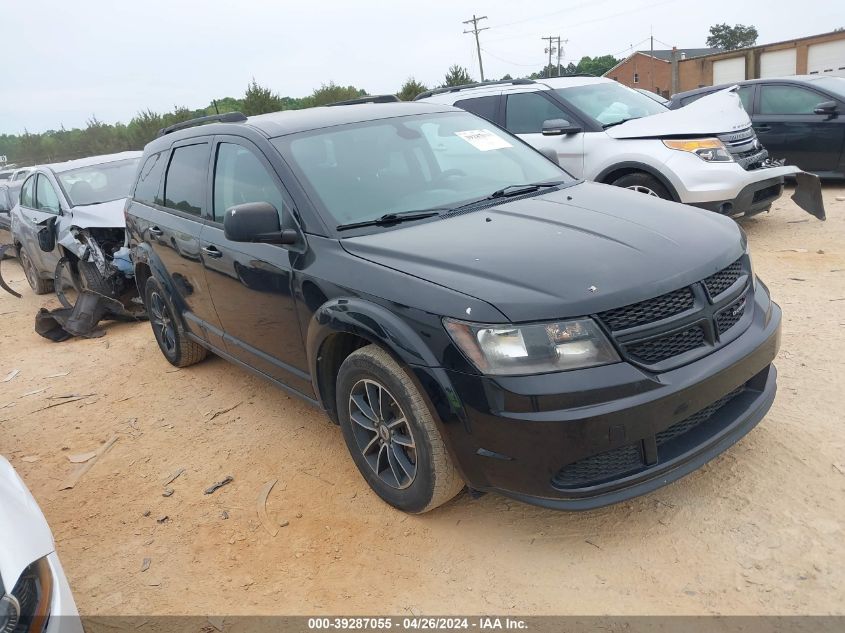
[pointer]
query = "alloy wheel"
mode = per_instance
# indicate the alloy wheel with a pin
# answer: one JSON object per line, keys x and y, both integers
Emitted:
{"x": 162, "y": 323}
{"x": 29, "y": 269}
{"x": 643, "y": 189}
{"x": 383, "y": 433}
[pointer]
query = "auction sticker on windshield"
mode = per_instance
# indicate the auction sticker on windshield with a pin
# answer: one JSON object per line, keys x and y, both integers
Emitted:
{"x": 483, "y": 140}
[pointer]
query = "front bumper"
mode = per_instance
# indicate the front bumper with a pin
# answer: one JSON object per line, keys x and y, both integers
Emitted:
{"x": 585, "y": 439}
{"x": 751, "y": 200}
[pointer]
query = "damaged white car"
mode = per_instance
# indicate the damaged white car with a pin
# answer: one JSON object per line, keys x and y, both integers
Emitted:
{"x": 706, "y": 154}
{"x": 68, "y": 231}
{"x": 34, "y": 592}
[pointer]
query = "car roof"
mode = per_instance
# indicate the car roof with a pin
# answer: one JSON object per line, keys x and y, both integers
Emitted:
{"x": 456, "y": 93}
{"x": 287, "y": 122}
{"x": 797, "y": 79}
{"x": 59, "y": 168}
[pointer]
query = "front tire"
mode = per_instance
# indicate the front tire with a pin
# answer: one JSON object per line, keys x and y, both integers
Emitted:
{"x": 643, "y": 183}
{"x": 39, "y": 285}
{"x": 173, "y": 341}
{"x": 391, "y": 433}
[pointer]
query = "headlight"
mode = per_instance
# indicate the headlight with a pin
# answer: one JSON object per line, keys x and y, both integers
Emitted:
{"x": 27, "y": 608}
{"x": 711, "y": 150}
{"x": 532, "y": 349}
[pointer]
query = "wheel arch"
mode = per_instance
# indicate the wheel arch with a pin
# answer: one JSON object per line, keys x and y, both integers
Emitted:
{"x": 616, "y": 171}
{"x": 340, "y": 326}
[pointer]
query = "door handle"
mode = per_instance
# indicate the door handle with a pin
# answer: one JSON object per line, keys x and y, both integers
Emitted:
{"x": 212, "y": 251}
{"x": 156, "y": 232}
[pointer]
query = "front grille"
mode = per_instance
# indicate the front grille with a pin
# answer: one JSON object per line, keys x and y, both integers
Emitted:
{"x": 745, "y": 148}
{"x": 648, "y": 311}
{"x": 601, "y": 467}
{"x": 627, "y": 460}
{"x": 731, "y": 315}
{"x": 654, "y": 331}
{"x": 696, "y": 419}
{"x": 660, "y": 349}
{"x": 724, "y": 279}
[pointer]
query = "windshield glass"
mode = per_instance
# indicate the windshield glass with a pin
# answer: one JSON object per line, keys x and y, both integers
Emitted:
{"x": 99, "y": 183}
{"x": 365, "y": 170}
{"x": 836, "y": 85}
{"x": 610, "y": 102}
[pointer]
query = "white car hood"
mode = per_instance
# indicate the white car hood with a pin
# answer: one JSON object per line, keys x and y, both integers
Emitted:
{"x": 24, "y": 534}
{"x": 714, "y": 114}
{"x": 105, "y": 215}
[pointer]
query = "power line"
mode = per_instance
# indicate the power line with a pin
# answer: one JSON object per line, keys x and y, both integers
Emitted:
{"x": 475, "y": 30}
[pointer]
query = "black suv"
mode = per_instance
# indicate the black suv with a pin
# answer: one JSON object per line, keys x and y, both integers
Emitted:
{"x": 463, "y": 308}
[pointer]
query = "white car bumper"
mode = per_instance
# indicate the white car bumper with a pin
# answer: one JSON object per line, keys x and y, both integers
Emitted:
{"x": 728, "y": 188}
{"x": 64, "y": 618}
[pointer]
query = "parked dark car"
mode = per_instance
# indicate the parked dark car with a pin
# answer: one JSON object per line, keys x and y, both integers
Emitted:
{"x": 462, "y": 307}
{"x": 800, "y": 119}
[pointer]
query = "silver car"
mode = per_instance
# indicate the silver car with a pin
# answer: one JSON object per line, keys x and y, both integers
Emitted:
{"x": 73, "y": 210}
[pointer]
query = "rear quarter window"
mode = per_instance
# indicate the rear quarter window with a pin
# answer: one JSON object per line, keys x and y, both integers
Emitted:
{"x": 485, "y": 107}
{"x": 148, "y": 187}
{"x": 185, "y": 183}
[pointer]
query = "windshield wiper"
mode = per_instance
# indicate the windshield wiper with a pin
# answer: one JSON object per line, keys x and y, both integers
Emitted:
{"x": 391, "y": 218}
{"x": 619, "y": 122}
{"x": 515, "y": 190}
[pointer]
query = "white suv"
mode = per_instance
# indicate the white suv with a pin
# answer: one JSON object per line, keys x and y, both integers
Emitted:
{"x": 705, "y": 154}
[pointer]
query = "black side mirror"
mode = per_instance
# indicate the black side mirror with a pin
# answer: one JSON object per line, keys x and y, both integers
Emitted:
{"x": 826, "y": 107}
{"x": 558, "y": 127}
{"x": 256, "y": 222}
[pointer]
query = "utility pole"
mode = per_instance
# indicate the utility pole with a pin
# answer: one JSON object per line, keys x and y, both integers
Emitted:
{"x": 651, "y": 63}
{"x": 475, "y": 31}
{"x": 549, "y": 50}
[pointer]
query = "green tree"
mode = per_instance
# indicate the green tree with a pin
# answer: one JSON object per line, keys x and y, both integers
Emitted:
{"x": 457, "y": 76}
{"x": 332, "y": 93}
{"x": 507, "y": 78}
{"x": 143, "y": 128}
{"x": 732, "y": 37}
{"x": 410, "y": 89}
{"x": 259, "y": 100}
{"x": 596, "y": 66}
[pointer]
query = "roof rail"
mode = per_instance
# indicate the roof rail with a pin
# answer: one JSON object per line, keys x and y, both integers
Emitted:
{"x": 368, "y": 99}
{"x": 437, "y": 91}
{"x": 228, "y": 117}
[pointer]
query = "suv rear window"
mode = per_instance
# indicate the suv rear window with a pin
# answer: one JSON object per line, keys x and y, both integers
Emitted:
{"x": 185, "y": 184}
{"x": 485, "y": 107}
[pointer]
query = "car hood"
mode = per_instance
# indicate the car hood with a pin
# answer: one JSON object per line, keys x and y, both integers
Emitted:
{"x": 105, "y": 215}
{"x": 714, "y": 114}
{"x": 576, "y": 251}
{"x": 24, "y": 534}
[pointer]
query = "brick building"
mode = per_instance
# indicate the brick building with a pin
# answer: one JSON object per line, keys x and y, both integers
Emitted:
{"x": 652, "y": 70}
{"x": 677, "y": 70}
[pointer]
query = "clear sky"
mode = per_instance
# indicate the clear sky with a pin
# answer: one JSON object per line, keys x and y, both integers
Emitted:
{"x": 65, "y": 61}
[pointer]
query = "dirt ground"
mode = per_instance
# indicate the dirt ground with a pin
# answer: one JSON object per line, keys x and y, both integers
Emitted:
{"x": 758, "y": 530}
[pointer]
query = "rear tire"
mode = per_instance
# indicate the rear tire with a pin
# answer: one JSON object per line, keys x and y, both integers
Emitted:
{"x": 39, "y": 285}
{"x": 392, "y": 436}
{"x": 643, "y": 183}
{"x": 173, "y": 341}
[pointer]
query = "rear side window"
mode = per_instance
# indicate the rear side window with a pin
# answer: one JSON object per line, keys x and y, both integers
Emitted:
{"x": 485, "y": 107}
{"x": 788, "y": 100}
{"x": 241, "y": 177}
{"x": 27, "y": 198}
{"x": 184, "y": 186}
{"x": 527, "y": 111}
{"x": 148, "y": 189}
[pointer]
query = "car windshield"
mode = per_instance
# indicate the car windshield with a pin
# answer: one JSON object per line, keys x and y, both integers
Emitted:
{"x": 610, "y": 103}
{"x": 99, "y": 183}
{"x": 836, "y": 85}
{"x": 363, "y": 171}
